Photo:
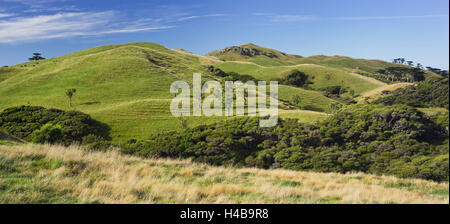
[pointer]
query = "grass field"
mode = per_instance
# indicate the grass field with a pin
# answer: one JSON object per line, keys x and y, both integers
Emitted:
{"x": 320, "y": 76}
{"x": 125, "y": 86}
{"x": 309, "y": 100}
{"x": 55, "y": 174}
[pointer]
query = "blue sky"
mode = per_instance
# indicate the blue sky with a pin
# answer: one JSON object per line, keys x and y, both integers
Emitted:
{"x": 379, "y": 29}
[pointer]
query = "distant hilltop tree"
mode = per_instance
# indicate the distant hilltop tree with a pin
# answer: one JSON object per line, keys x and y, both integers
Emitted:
{"x": 399, "y": 61}
{"x": 36, "y": 57}
{"x": 69, "y": 93}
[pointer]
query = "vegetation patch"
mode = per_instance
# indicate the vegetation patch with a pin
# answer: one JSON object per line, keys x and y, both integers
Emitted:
{"x": 41, "y": 125}
{"x": 429, "y": 93}
{"x": 395, "y": 140}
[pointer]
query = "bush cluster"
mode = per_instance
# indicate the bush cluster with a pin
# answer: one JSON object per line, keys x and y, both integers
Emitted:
{"x": 41, "y": 125}
{"x": 395, "y": 140}
{"x": 429, "y": 93}
{"x": 294, "y": 78}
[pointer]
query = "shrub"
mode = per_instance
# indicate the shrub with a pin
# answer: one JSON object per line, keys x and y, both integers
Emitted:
{"x": 333, "y": 91}
{"x": 294, "y": 78}
{"x": 22, "y": 121}
{"x": 48, "y": 133}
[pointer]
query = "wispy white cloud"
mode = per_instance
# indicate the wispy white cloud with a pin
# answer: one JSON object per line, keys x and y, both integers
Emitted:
{"x": 284, "y": 18}
{"x": 291, "y": 18}
{"x": 191, "y": 17}
{"x": 69, "y": 8}
{"x": 36, "y": 6}
{"x": 188, "y": 18}
{"x": 216, "y": 15}
{"x": 4, "y": 15}
{"x": 68, "y": 25}
{"x": 390, "y": 17}
{"x": 262, "y": 14}
{"x": 273, "y": 17}
{"x": 35, "y": 20}
{"x": 34, "y": 2}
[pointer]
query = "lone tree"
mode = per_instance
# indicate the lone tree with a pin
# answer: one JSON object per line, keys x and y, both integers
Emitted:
{"x": 36, "y": 57}
{"x": 70, "y": 93}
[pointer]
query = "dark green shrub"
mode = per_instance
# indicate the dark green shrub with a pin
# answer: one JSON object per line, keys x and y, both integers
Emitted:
{"x": 294, "y": 78}
{"x": 48, "y": 133}
{"x": 24, "y": 120}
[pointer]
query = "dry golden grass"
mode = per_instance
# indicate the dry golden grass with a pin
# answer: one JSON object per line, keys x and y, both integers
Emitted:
{"x": 376, "y": 93}
{"x": 73, "y": 175}
{"x": 370, "y": 79}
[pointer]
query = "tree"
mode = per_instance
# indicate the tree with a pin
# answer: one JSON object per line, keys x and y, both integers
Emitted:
{"x": 70, "y": 93}
{"x": 410, "y": 63}
{"x": 419, "y": 66}
{"x": 295, "y": 78}
{"x": 399, "y": 61}
{"x": 36, "y": 57}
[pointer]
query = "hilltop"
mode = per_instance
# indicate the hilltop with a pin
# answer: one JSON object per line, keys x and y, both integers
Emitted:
{"x": 269, "y": 57}
{"x": 56, "y": 174}
{"x": 252, "y": 52}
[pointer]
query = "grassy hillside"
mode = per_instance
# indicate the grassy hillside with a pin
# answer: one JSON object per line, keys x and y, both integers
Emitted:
{"x": 309, "y": 100}
{"x": 321, "y": 76}
{"x": 376, "y": 93}
{"x": 253, "y": 53}
{"x": 125, "y": 86}
{"x": 55, "y": 174}
{"x": 270, "y": 57}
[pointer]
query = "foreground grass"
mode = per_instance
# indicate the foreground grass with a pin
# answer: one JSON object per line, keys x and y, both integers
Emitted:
{"x": 56, "y": 174}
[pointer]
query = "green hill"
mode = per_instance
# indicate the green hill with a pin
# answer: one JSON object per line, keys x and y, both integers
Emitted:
{"x": 253, "y": 53}
{"x": 127, "y": 86}
{"x": 321, "y": 76}
{"x": 270, "y": 57}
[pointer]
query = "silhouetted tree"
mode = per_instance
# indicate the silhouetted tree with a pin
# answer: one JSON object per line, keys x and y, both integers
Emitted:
{"x": 36, "y": 57}
{"x": 70, "y": 93}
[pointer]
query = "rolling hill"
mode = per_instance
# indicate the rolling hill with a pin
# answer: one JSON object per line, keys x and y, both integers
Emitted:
{"x": 127, "y": 86}
{"x": 270, "y": 57}
{"x": 253, "y": 53}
